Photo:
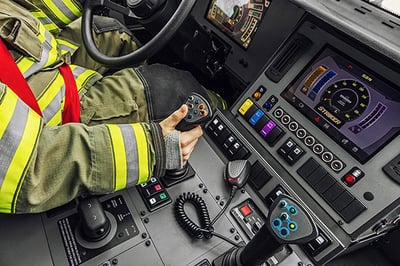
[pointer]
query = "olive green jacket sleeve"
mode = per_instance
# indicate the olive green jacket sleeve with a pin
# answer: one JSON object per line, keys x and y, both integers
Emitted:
{"x": 75, "y": 159}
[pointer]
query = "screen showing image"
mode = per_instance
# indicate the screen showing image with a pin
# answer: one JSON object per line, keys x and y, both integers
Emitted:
{"x": 351, "y": 104}
{"x": 239, "y": 19}
{"x": 391, "y": 6}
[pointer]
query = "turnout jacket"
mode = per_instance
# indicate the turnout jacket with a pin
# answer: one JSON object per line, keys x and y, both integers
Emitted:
{"x": 44, "y": 164}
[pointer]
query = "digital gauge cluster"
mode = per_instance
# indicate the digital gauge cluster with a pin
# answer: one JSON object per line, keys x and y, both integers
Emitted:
{"x": 355, "y": 107}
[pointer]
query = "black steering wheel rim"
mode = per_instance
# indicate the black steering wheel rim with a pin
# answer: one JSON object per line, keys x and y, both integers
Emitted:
{"x": 143, "y": 52}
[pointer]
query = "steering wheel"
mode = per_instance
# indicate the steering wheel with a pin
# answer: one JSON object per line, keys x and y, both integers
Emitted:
{"x": 143, "y": 52}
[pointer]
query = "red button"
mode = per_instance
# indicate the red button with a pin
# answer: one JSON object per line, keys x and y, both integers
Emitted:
{"x": 157, "y": 187}
{"x": 245, "y": 210}
{"x": 349, "y": 179}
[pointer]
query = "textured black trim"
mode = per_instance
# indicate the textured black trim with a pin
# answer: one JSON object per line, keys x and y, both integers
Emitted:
{"x": 159, "y": 148}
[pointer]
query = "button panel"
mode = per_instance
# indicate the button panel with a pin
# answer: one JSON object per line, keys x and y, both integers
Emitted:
{"x": 333, "y": 192}
{"x": 309, "y": 140}
{"x": 291, "y": 151}
{"x": 266, "y": 127}
{"x": 231, "y": 146}
{"x": 154, "y": 194}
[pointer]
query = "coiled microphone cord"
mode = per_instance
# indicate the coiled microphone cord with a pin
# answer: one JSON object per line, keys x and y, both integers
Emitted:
{"x": 206, "y": 229}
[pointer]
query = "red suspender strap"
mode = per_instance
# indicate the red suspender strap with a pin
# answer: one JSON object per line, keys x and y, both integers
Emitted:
{"x": 72, "y": 105}
{"x": 12, "y": 76}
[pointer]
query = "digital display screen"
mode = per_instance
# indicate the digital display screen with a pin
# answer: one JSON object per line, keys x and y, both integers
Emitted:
{"x": 239, "y": 19}
{"x": 352, "y": 105}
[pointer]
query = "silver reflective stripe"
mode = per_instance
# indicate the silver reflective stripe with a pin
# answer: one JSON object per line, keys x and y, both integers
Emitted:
{"x": 54, "y": 106}
{"x": 77, "y": 71}
{"x": 66, "y": 48}
{"x": 45, "y": 20}
{"x": 65, "y": 10}
{"x": 132, "y": 164}
{"x": 12, "y": 137}
{"x": 45, "y": 56}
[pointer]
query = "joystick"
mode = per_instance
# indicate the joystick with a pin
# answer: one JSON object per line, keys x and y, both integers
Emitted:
{"x": 287, "y": 223}
{"x": 94, "y": 224}
{"x": 199, "y": 112}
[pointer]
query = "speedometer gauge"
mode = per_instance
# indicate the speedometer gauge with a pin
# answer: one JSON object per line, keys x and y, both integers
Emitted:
{"x": 346, "y": 99}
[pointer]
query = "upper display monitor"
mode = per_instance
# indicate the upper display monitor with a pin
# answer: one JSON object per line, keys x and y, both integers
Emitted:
{"x": 391, "y": 6}
{"x": 350, "y": 103}
{"x": 239, "y": 19}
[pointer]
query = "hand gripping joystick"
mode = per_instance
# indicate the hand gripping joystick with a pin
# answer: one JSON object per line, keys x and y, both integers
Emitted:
{"x": 199, "y": 112}
{"x": 287, "y": 223}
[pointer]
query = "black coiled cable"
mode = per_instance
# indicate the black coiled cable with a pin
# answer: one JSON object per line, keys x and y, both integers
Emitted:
{"x": 205, "y": 229}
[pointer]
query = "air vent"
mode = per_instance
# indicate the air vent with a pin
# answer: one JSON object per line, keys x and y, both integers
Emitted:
{"x": 287, "y": 57}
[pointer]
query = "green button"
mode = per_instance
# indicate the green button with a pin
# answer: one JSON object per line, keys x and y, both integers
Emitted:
{"x": 292, "y": 210}
{"x": 163, "y": 196}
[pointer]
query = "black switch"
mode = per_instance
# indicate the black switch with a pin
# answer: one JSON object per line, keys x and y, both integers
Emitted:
{"x": 229, "y": 141}
{"x": 261, "y": 123}
{"x": 287, "y": 147}
{"x": 274, "y": 135}
{"x": 316, "y": 176}
{"x": 326, "y": 182}
{"x": 342, "y": 201}
{"x": 307, "y": 168}
{"x": 250, "y": 112}
{"x": 352, "y": 210}
{"x": 152, "y": 190}
{"x": 294, "y": 155}
{"x": 333, "y": 192}
{"x": 158, "y": 199}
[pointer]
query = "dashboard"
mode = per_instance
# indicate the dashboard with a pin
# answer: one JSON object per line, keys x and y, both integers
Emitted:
{"x": 316, "y": 118}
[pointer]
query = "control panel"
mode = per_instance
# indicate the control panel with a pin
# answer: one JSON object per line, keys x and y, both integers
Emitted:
{"x": 327, "y": 126}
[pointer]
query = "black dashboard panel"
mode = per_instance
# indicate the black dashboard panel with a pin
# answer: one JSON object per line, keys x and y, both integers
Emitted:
{"x": 273, "y": 29}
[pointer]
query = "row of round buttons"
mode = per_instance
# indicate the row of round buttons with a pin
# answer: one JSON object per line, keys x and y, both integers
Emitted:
{"x": 309, "y": 140}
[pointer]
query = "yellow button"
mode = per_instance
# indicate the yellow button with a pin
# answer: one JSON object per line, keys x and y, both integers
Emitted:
{"x": 245, "y": 106}
{"x": 292, "y": 226}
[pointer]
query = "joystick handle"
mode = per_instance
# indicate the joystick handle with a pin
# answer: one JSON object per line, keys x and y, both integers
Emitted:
{"x": 94, "y": 224}
{"x": 199, "y": 112}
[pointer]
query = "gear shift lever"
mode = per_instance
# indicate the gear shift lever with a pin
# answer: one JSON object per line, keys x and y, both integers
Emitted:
{"x": 287, "y": 223}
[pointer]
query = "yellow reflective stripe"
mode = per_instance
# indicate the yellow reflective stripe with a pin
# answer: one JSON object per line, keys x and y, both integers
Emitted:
{"x": 50, "y": 92}
{"x": 119, "y": 154}
{"x": 72, "y": 47}
{"x": 57, "y": 12}
{"x": 56, "y": 119}
{"x": 6, "y": 111}
{"x": 73, "y": 7}
{"x": 45, "y": 20}
{"x": 53, "y": 53}
{"x": 84, "y": 77}
{"x": 11, "y": 185}
{"x": 142, "y": 150}
{"x": 16, "y": 169}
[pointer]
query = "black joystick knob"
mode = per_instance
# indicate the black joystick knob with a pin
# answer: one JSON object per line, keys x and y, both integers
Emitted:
{"x": 94, "y": 224}
{"x": 199, "y": 112}
{"x": 287, "y": 223}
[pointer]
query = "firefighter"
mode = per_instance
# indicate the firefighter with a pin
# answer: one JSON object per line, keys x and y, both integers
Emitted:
{"x": 69, "y": 129}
